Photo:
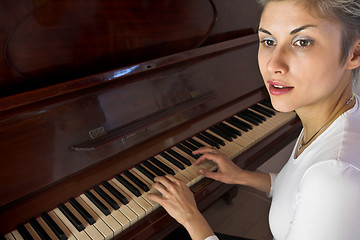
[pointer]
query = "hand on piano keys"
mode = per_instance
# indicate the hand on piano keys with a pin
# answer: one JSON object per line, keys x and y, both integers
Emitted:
{"x": 113, "y": 206}
{"x": 178, "y": 200}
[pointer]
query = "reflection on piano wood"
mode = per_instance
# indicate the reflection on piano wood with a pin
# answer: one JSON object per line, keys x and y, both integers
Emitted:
{"x": 82, "y": 116}
{"x": 108, "y": 209}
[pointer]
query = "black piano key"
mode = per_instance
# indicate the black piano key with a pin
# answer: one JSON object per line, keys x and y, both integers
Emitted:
{"x": 179, "y": 157}
{"x": 72, "y": 218}
{"x": 267, "y": 112}
{"x": 145, "y": 172}
{"x": 128, "y": 185}
{"x": 97, "y": 202}
{"x": 153, "y": 168}
{"x": 53, "y": 226}
{"x": 208, "y": 141}
{"x": 39, "y": 229}
{"x": 267, "y": 103}
{"x": 24, "y": 232}
{"x": 255, "y": 115}
{"x": 213, "y": 138}
{"x": 116, "y": 193}
{"x": 106, "y": 197}
{"x": 239, "y": 124}
{"x": 187, "y": 150}
{"x": 226, "y": 132}
{"x": 248, "y": 118}
{"x": 82, "y": 211}
{"x": 190, "y": 146}
{"x": 162, "y": 166}
{"x": 172, "y": 160}
{"x": 195, "y": 143}
{"x": 137, "y": 181}
{"x": 229, "y": 128}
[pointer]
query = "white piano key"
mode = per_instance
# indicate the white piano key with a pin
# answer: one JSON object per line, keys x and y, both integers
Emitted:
{"x": 133, "y": 205}
{"x": 46, "y": 228}
{"x": 139, "y": 200}
{"x": 209, "y": 165}
{"x": 257, "y": 131}
{"x": 124, "y": 221}
{"x": 114, "y": 225}
{"x": 32, "y": 231}
{"x": 17, "y": 235}
{"x": 143, "y": 193}
{"x": 9, "y": 236}
{"x": 78, "y": 235}
{"x": 99, "y": 224}
{"x": 184, "y": 175}
{"x": 89, "y": 229}
{"x": 61, "y": 225}
{"x": 124, "y": 209}
{"x": 231, "y": 147}
{"x": 208, "y": 145}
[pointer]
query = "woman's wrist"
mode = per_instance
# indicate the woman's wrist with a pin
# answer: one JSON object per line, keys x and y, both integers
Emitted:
{"x": 198, "y": 228}
{"x": 258, "y": 180}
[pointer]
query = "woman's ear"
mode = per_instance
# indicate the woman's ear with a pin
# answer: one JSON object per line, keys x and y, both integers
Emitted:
{"x": 354, "y": 56}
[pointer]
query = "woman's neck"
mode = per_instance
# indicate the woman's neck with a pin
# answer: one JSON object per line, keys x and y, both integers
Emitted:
{"x": 318, "y": 117}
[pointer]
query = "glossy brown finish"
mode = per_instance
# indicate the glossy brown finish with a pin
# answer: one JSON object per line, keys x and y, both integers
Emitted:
{"x": 147, "y": 74}
{"x": 44, "y": 42}
{"x": 38, "y": 134}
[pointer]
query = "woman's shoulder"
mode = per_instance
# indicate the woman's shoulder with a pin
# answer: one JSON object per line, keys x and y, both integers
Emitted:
{"x": 332, "y": 175}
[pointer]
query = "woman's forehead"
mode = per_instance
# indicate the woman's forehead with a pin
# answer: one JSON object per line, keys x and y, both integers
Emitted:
{"x": 288, "y": 16}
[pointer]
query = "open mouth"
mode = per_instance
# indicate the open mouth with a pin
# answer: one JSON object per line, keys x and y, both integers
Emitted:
{"x": 277, "y": 89}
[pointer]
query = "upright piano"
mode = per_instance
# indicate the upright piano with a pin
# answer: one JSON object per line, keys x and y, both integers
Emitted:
{"x": 98, "y": 97}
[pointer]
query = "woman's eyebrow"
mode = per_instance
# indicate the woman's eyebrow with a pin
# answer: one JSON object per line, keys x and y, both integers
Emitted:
{"x": 296, "y": 30}
{"x": 264, "y": 31}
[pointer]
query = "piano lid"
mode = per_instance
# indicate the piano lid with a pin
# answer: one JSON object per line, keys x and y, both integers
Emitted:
{"x": 47, "y": 42}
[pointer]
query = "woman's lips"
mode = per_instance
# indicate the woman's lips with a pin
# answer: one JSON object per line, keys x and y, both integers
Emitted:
{"x": 276, "y": 88}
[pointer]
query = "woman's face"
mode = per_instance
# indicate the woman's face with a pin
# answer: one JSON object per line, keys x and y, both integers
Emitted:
{"x": 299, "y": 57}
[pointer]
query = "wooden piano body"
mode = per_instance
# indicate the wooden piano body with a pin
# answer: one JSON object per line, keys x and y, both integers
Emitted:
{"x": 84, "y": 114}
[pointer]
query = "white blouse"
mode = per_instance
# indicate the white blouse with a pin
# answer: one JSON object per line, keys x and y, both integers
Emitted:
{"x": 317, "y": 195}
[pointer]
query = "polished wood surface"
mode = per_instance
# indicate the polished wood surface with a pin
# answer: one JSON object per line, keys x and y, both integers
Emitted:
{"x": 44, "y": 42}
{"x": 91, "y": 88}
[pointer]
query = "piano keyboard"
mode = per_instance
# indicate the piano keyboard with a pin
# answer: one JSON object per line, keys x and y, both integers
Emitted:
{"x": 113, "y": 206}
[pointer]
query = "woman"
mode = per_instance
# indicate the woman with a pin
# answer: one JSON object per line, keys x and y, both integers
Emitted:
{"x": 309, "y": 53}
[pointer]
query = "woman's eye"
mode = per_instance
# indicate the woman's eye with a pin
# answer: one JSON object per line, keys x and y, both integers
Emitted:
{"x": 268, "y": 42}
{"x": 303, "y": 43}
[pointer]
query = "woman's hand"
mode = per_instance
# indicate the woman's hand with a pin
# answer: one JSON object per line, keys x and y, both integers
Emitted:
{"x": 178, "y": 200}
{"x": 228, "y": 171}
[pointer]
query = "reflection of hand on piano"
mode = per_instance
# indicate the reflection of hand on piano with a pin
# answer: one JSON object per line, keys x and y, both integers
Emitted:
{"x": 178, "y": 200}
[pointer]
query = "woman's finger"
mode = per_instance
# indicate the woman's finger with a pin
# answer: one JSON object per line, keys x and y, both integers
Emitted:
{"x": 203, "y": 150}
{"x": 161, "y": 189}
{"x": 215, "y": 157}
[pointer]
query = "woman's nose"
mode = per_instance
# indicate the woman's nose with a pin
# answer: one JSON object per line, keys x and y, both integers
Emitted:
{"x": 278, "y": 62}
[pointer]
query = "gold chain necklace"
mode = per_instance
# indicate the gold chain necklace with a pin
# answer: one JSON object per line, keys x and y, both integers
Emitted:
{"x": 303, "y": 144}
